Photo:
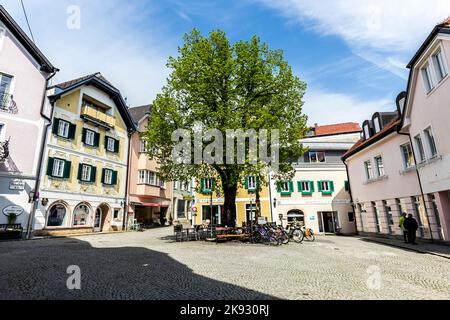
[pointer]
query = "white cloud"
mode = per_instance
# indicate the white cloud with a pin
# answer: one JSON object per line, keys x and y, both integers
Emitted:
{"x": 324, "y": 107}
{"x": 381, "y": 31}
{"x": 122, "y": 40}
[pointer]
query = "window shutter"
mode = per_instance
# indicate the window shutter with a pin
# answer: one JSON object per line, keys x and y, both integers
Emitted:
{"x": 116, "y": 146}
{"x": 67, "y": 169}
{"x": 311, "y": 186}
{"x": 55, "y": 126}
{"x": 80, "y": 171}
{"x": 114, "y": 178}
{"x": 257, "y": 182}
{"x": 291, "y": 186}
{"x": 299, "y": 186}
{"x": 202, "y": 185}
{"x": 72, "y": 130}
{"x": 96, "y": 139}
{"x": 246, "y": 183}
{"x": 106, "y": 143}
{"x": 103, "y": 176}
{"x": 279, "y": 187}
{"x": 93, "y": 176}
{"x": 213, "y": 185}
{"x": 83, "y": 136}
{"x": 347, "y": 186}
{"x": 50, "y": 166}
{"x": 331, "y": 186}
{"x": 319, "y": 186}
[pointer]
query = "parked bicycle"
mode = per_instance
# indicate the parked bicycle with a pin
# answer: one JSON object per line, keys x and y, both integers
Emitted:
{"x": 308, "y": 234}
{"x": 295, "y": 232}
{"x": 267, "y": 235}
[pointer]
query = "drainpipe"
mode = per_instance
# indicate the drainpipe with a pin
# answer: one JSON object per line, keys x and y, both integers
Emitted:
{"x": 41, "y": 154}
{"x": 127, "y": 185}
{"x": 420, "y": 181}
{"x": 351, "y": 195}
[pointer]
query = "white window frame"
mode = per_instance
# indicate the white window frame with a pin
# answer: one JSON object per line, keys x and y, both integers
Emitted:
{"x": 327, "y": 184}
{"x": 208, "y": 184}
{"x": 368, "y": 169}
{"x": 428, "y": 133}
{"x": 405, "y": 160}
{"x": 285, "y": 187}
{"x": 252, "y": 183}
{"x": 111, "y": 144}
{"x": 108, "y": 177}
{"x": 427, "y": 77}
{"x": 86, "y": 171}
{"x": 90, "y": 135}
{"x": 63, "y": 129}
{"x": 420, "y": 148}
{"x": 377, "y": 125}
{"x": 439, "y": 65}
{"x": 367, "y": 131}
{"x": 142, "y": 176}
{"x": 13, "y": 82}
{"x": 382, "y": 172}
{"x": 58, "y": 168}
{"x": 306, "y": 186}
{"x": 317, "y": 156}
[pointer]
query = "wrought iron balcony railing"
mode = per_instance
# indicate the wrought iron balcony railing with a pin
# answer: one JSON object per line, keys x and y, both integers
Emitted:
{"x": 7, "y": 103}
{"x": 4, "y": 150}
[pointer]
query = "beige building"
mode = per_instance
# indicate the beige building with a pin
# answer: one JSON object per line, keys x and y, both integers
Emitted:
{"x": 318, "y": 196}
{"x": 150, "y": 198}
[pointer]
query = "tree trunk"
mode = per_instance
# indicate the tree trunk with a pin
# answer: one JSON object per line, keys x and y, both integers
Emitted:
{"x": 230, "y": 193}
{"x": 258, "y": 203}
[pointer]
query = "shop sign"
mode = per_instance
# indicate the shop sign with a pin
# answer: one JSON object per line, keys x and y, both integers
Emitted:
{"x": 13, "y": 210}
{"x": 17, "y": 185}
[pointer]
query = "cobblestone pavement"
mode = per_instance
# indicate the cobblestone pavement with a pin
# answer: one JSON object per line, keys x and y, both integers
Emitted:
{"x": 150, "y": 265}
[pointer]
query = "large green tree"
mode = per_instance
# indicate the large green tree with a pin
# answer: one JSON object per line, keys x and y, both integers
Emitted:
{"x": 227, "y": 86}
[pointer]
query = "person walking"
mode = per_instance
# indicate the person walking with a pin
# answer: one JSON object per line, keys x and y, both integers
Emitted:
{"x": 411, "y": 225}
{"x": 402, "y": 226}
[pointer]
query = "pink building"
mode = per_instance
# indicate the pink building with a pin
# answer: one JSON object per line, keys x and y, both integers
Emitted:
{"x": 150, "y": 198}
{"x": 24, "y": 74}
{"x": 426, "y": 120}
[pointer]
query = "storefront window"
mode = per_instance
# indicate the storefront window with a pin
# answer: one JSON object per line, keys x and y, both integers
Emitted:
{"x": 81, "y": 215}
{"x": 57, "y": 216}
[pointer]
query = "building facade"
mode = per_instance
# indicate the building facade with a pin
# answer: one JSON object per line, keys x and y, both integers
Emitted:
{"x": 150, "y": 198}
{"x": 183, "y": 202}
{"x": 318, "y": 196}
{"x": 426, "y": 119}
{"x": 24, "y": 75}
{"x": 209, "y": 202}
{"x": 84, "y": 181}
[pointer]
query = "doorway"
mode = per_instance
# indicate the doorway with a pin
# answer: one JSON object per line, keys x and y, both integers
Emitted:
{"x": 215, "y": 218}
{"x": 329, "y": 222}
{"x": 98, "y": 220}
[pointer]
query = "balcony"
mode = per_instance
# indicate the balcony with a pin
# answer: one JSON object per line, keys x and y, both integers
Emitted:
{"x": 98, "y": 117}
{"x": 7, "y": 103}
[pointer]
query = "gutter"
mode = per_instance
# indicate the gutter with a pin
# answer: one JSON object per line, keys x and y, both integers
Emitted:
{"x": 420, "y": 181}
{"x": 41, "y": 155}
{"x": 127, "y": 185}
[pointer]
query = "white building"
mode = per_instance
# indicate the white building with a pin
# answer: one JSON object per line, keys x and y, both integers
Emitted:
{"x": 318, "y": 196}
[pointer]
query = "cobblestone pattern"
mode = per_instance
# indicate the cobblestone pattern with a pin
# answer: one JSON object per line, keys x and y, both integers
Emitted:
{"x": 150, "y": 265}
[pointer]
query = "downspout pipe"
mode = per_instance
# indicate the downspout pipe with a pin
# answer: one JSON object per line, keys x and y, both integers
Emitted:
{"x": 420, "y": 181}
{"x": 41, "y": 153}
{"x": 127, "y": 185}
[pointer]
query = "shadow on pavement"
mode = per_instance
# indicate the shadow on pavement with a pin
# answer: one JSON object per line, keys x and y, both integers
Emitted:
{"x": 37, "y": 270}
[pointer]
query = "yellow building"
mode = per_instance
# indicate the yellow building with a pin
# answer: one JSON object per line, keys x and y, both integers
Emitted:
{"x": 83, "y": 186}
{"x": 208, "y": 192}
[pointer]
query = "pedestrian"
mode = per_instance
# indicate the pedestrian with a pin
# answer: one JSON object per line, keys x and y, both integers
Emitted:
{"x": 402, "y": 226}
{"x": 411, "y": 225}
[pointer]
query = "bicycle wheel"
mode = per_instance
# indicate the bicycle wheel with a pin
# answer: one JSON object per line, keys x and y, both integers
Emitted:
{"x": 298, "y": 236}
{"x": 311, "y": 237}
{"x": 284, "y": 238}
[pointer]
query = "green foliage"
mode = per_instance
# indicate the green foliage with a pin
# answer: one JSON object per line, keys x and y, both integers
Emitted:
{"x": 227, "y": 86}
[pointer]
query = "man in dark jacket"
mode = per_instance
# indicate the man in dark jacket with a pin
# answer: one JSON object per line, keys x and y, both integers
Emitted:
{"x": 411, "y": 226}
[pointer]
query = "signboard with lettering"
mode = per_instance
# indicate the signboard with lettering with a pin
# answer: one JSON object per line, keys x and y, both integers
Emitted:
{"x": 17, "y": 185}
{"x": 13, "y": 210}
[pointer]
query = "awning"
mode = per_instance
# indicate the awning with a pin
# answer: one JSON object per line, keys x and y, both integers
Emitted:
{"x": 154, "y": 205}
{"x": 296, "y": 215}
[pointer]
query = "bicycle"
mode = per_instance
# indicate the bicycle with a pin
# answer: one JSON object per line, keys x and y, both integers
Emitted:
{"x": 308, "y": 234}
{"x": 294, "y": 232}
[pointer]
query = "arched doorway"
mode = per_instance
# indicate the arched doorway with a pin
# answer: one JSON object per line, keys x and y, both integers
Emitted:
{"x": 58, "y": 215}
{"x": 296, "y": 216}
{"x": 102, "y": 218}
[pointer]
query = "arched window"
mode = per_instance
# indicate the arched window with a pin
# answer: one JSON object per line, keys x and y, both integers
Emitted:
{"x": 296, "y": 216}
{"x": 57, "y": 215}
{"x": 81, "y": 215}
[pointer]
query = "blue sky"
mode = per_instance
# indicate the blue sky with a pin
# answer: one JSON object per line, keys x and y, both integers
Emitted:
{"x": 352, "y": 53}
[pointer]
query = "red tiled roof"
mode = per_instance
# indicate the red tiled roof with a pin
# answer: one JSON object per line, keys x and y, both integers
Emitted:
{"x": 337, "y": 129}
{"x": 361, "y": 144}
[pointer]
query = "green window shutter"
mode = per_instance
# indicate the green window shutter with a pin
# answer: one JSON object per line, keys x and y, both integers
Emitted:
{"x": 103, "y": 176}
{"x": 319, "y": 186}
{"x": 331, "y": 186}
{"x": 311, "y": 186}
{"x": 347, "y": 186}
{"x": 96, "y": 139}
{"x": 299, "y": 186}
{"x": 67, "y": 169}
{"x": 279, "y": 187}
{"x": 213, "y": 185}
{"x": 83, "y": 136}
{"x": 55, "y": 126}
{"x": 202, "y": 185}
{"x": 291, "y": 186}
{"x": 50, "y": 166}
{"x": 114, "y": 178}
{"x": 116, "y": 146}
{"x": 257, "y": 182}
{"x": 246, "y": 183}
{"x": 80, "y": 170}
{"x": 93, "y": 176}
{"x": 106, "y": 143}
{"x": 72, "y": 130}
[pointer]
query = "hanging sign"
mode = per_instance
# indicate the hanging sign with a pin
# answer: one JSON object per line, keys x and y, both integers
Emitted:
{"x": 13, "y": 210}
{"x": 17, "y": 185}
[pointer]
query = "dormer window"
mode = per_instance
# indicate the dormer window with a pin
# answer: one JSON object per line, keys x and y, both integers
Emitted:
{"x": 376, "y": 123}
{"x": 366, "y": 132}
